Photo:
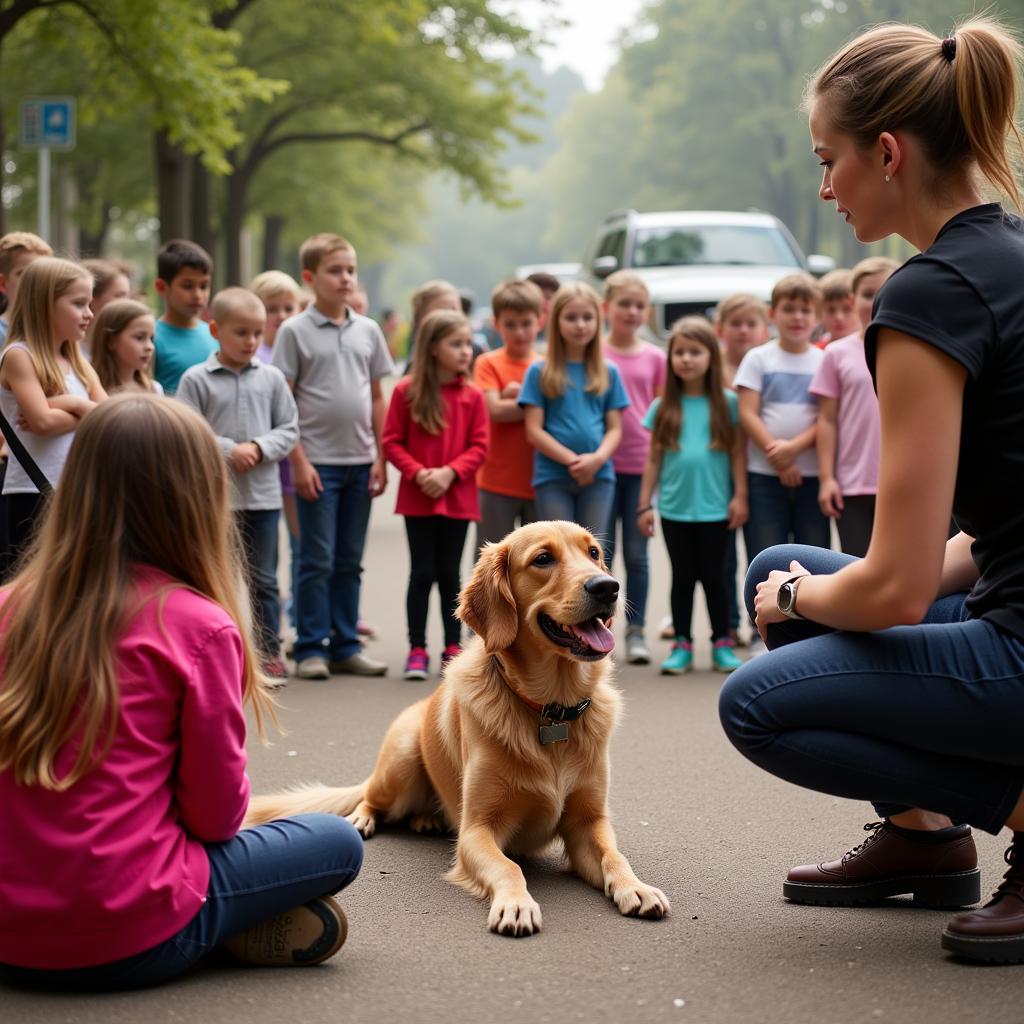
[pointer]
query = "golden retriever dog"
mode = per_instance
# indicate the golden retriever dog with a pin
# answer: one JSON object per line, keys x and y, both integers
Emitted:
{"x": 511, "y": 749}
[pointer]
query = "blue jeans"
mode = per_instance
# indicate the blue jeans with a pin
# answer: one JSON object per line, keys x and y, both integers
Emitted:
{"x": 780, "y": 514}
{"x": 589, "y": 506}
{"x": 258, "y": 529}
{"x": 625, "y": 502}
{"x": 258, "y": 874}
{"x": 928, "y": 716}
{"x": 333, "y": 535}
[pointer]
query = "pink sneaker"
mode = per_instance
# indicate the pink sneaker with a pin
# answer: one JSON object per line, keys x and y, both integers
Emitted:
{"x": 451, "y": 651}
{"x": 417, "y": 664}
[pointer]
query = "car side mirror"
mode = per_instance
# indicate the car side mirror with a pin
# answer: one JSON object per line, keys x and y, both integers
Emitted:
{"x": 603, "y": 266}
{"x": 820, "y": 265}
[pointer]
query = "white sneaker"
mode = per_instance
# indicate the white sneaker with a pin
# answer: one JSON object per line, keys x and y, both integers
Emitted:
{"x": 666, "y": 629}
{"x": 636, "y": 649}
{"x": 312, "y": 668}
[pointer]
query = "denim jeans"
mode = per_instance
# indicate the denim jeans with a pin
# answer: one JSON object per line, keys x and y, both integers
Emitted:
{"x": 625, "y": 502}
{"x": 928, "y": 716}
{"x": 258, "y": 874}
{"x": 333, "y": 535}
{"x": 258, "y": 529}
{"x": 589, "y": 506}
{"x": 780, "y": 514}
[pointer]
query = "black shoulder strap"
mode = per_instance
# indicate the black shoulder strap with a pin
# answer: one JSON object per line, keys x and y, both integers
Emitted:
{"x": 20, "y": 452}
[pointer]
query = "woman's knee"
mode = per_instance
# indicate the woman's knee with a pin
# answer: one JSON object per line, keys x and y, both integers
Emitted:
{"x": 737, "y": 705}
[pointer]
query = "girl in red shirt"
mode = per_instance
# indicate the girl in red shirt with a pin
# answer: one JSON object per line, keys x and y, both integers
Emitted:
{"x": 436, "y": 436}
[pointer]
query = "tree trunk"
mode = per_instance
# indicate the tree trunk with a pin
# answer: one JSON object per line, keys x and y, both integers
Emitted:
{"x": 236, "y": 187}
{"x": 273, "y": 228}
{"x": 202, "y": 231}
{"x": 173, "y": 176}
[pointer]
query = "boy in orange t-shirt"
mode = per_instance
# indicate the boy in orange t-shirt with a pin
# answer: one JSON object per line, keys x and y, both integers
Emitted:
{"x": 506, "y": 493}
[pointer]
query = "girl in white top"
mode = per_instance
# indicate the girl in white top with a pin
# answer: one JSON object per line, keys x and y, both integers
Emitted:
{"x": 46, "y": 386}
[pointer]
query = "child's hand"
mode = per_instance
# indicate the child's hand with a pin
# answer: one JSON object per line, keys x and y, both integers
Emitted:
{"x": 780, "y": 455}
{"x": 244, "y": 456}
{"x": 435, "y": 482}
{"x": 829, "y": 498}
{"x": 791, "y": 477}
{"x": 307, "y": 481}
{"x": 378, "y": 478}
{"x": 511, "y": 389}
{"x": 645, "y": 523}
{"x": 739, "y": 513}
{"x": 585, "y": 468}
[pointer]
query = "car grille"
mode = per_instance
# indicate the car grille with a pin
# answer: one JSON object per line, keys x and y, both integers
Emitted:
{"x": 672, "y": 311}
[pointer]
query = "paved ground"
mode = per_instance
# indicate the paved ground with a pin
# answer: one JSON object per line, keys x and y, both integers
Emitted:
{"x": 693, "y": 818}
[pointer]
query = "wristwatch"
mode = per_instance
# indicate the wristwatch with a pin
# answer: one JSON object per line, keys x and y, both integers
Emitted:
{"x": 786, "y": 599}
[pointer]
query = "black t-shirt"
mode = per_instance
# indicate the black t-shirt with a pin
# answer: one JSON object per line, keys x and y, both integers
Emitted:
{"x": 965, "y": 295}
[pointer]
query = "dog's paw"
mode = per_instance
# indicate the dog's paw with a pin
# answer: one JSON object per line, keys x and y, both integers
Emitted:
{"x": 364, "y": 821}
{"x": 640, "y": 900}
{"x": 517, "y": 916}
{"x": 428, "y": 824}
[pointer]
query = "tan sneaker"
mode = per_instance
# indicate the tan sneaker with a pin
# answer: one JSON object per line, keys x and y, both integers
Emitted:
{"x": 358, "y": 665}
{"x": 312, "y": 668}
{"x": 307, "y": 935}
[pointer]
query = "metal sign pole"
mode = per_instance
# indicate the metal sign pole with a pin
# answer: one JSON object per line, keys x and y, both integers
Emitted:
{"x": 43, "y": 185}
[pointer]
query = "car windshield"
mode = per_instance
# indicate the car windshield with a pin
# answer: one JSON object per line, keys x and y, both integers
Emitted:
{"x": 712, "y": 244}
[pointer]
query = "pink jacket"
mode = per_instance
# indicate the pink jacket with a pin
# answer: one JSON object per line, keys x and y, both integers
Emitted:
{"x": 116, "y": 864}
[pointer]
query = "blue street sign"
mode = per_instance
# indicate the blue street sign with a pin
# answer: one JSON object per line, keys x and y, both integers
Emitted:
{"x": 48, "y": 121}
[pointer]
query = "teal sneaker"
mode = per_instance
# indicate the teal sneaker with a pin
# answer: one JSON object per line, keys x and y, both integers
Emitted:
{"x": 723, "y": 657}
{"x": 680, "y": 660}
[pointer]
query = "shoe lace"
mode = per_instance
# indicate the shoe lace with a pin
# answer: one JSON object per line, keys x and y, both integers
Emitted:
{"x": 875, "y": 828}
{"x": 1013, "y": 880}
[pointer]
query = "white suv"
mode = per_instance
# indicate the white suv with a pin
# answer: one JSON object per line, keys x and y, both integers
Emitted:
{"x": 691, "y": 261}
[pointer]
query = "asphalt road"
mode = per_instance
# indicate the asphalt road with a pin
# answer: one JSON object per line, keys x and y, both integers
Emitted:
{"x": 691, "y": 815}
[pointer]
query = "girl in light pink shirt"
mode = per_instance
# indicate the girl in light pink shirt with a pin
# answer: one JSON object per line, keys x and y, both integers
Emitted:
{"x": 126, "y": 657}
{"x": 642, "y": 366}
{"x": 849, "y": 434}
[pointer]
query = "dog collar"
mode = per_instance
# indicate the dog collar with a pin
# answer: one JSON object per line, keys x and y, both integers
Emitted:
{"x": 558, "y": 715}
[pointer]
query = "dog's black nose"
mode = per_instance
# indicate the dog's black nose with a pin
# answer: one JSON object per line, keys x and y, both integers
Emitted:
{"x": 603, "y": 587}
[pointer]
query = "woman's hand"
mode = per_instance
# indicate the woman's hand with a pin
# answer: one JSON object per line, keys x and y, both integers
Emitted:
{"x": 766, "y": 601}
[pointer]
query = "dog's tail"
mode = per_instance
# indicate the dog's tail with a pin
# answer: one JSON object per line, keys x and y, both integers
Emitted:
{"x": 306, "y": 799}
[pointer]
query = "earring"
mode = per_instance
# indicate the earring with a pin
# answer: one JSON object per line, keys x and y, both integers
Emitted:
{"x": 887, "y": 178}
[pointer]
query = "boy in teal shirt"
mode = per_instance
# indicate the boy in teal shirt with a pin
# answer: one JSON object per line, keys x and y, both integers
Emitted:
{"x": 182, "y": 338}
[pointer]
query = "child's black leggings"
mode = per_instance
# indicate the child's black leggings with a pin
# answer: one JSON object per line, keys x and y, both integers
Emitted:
{"x": 435, "y": 551}
{"x": 697, "y": 552}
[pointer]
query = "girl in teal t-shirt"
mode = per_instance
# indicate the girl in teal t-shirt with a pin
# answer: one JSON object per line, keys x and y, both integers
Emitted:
{"x": 697, "y": 462}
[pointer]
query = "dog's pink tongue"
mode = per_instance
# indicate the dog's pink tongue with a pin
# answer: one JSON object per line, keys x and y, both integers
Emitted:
{"x": 597, "y": 634}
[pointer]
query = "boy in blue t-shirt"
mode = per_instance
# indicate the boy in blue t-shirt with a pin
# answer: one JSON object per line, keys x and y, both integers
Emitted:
{"x": 182, "y": 339}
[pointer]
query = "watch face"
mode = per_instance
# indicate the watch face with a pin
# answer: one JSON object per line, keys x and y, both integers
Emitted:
{"x": 786, "y": 597}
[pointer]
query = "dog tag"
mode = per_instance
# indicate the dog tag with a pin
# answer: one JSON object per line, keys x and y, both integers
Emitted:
{"x": 554, "y": 733}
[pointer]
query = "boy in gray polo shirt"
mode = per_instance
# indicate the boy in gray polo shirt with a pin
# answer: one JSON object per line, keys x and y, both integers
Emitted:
{"x": 334, "y": 360}
{"x": 251, "y": 410}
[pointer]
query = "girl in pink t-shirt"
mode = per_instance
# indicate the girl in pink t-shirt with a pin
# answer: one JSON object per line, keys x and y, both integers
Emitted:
{"x": 848, "y": 426}
{"x": 127, "y": 654}
{"x": 642, "y": 366}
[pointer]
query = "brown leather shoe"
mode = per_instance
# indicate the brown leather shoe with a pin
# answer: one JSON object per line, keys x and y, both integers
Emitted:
{"x": 942, "y": 874}
{"x": 995, "y": 933}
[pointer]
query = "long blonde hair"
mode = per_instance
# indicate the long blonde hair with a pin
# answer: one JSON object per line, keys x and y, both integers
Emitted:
{"x": 957, "y": 96}
{"x": 75, "y": 593}
{"x": 426, "y": 405}
{"x": 45, "y": 280}
{"x": 113, "y": 319}
{"x": 668, "y": 420}
{"x": 554, "y": 378}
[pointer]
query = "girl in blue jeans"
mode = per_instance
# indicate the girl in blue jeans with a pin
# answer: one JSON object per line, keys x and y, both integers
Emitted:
{"x": 126, "y": 658}
{"x": 573, "y": 405}
{"x": 906, "y": 684}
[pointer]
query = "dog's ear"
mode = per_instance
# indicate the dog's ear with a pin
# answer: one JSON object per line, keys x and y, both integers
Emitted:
{"x": 487, "y": 604}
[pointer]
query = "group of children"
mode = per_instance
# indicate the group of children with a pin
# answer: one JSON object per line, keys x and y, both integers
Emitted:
{"x": 724, "y": 430}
